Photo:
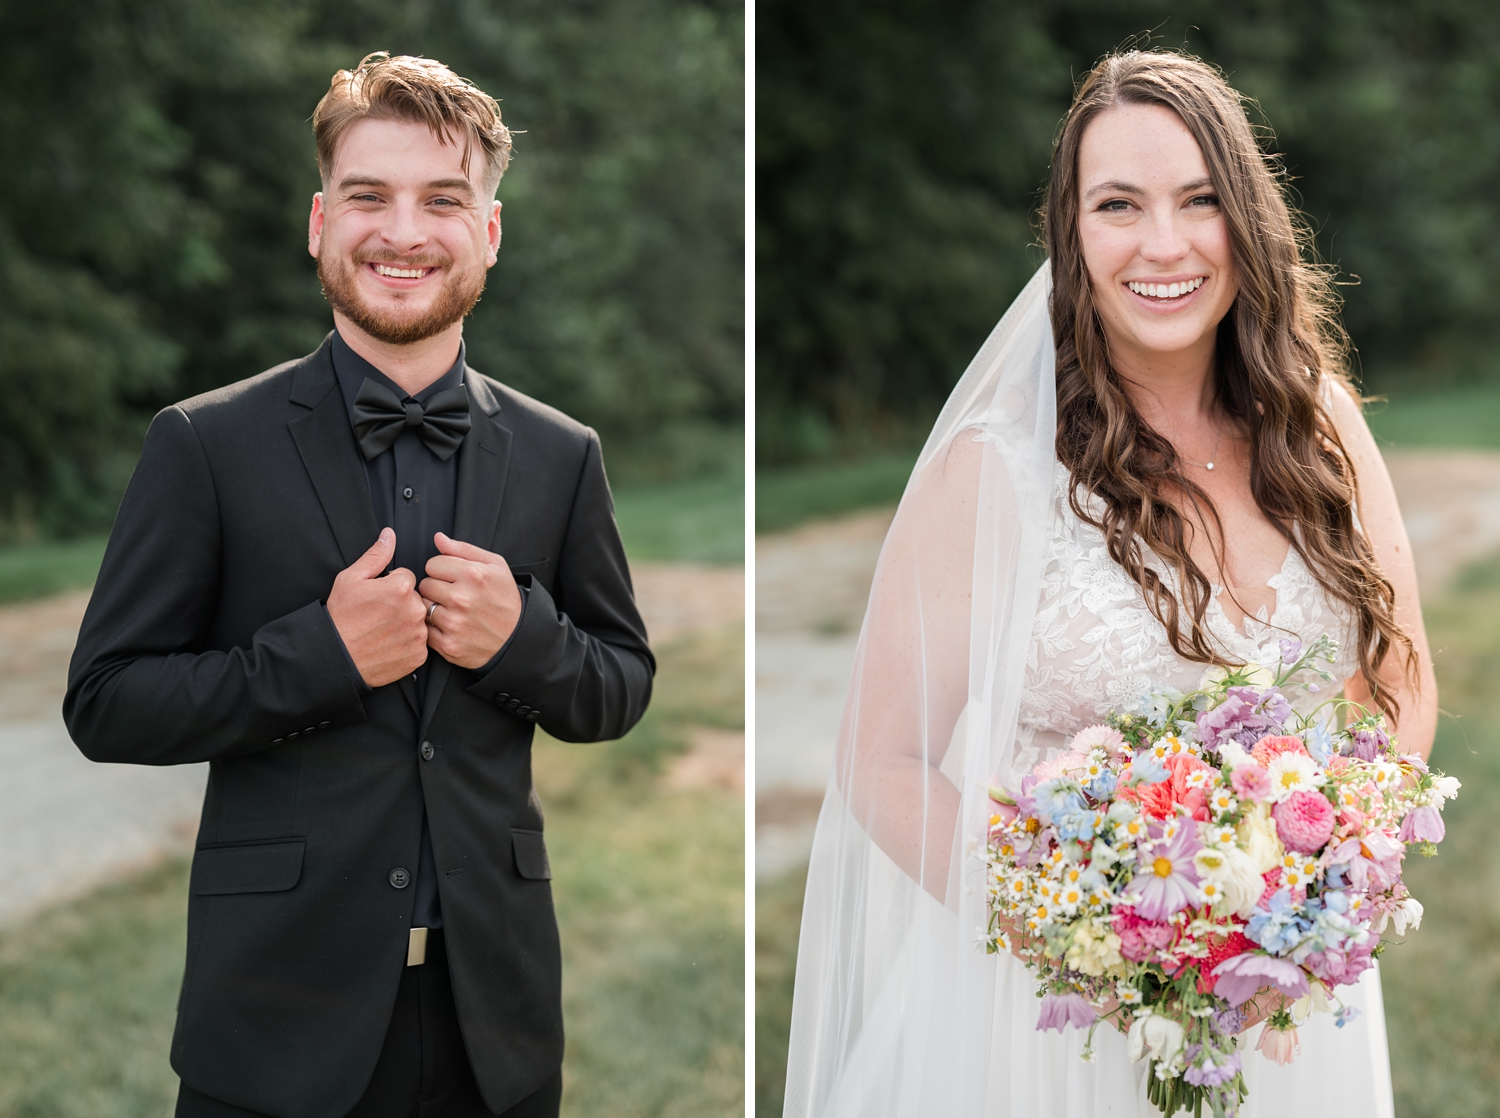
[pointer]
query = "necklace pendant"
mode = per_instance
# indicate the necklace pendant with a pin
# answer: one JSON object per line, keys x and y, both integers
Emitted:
{"x": 1208, "y": 465}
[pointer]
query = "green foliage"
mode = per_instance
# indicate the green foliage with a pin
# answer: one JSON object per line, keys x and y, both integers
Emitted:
{"x": 778, "y": 916}
{"x": 1460, "y": 416}
{"x": 153, "y": 223}
{"x": 902, "y": 149}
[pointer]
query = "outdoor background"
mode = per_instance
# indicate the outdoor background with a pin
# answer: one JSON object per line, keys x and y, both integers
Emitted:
{"x": 159, "y": 169}
{"x": 901, "y": 150}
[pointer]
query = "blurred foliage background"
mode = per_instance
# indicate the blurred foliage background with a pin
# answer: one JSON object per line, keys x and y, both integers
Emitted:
{"x": 902, "y": 148}
{"x": 153, "y": 219}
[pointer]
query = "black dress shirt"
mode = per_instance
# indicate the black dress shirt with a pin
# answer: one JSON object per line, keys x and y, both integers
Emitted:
{"x": 413, "y": 492}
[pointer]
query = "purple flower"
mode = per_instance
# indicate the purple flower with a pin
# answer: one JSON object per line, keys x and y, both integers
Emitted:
{"x": 1246, "y": 715}
{"x": 1290, "y": 650}
{"x": 1167, "y": 880}
{"x": 1241, "y": 975}
{"x": 1422, "y": 824}
{"x": 1061, "y": 1010}
{"x": 1210, "y": 1074}
{"x": 1367, "y": 743}
{"x": 1341, "y": 967}
{"x": 1228, "y": 1022}
{"x": 1345, "y": 1015}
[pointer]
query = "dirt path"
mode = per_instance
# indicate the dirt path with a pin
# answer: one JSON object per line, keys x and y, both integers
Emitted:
{"x": 811, "y": 585}
{"x": 67, "y": 824}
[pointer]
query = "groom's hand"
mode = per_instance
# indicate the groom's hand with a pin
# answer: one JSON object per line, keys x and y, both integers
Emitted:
{"x": 379, "y": 618}
{"x": 478, "y": 603}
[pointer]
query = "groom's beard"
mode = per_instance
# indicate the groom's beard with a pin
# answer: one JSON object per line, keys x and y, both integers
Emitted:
{"x": 457, "y": 297}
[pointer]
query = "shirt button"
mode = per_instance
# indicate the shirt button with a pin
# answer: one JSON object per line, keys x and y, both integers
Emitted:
{"x": 400, "y": 879}
{"x": 407, "y": 493}
{"x": 427, "y": 751}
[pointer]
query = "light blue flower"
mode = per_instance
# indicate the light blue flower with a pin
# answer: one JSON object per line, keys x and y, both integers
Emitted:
{"x": 1280, "y": 929}
{"x": 1319, "y": 743}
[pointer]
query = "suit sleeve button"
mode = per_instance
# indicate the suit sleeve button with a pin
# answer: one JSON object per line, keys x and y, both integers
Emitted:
{"x": 324, "y": 725}
{"x": 277, "y": 741}
{"x": 400, "y": 879}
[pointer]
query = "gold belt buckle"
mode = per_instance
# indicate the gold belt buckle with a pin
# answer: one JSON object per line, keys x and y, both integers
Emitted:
{"x": 416, "y": 947}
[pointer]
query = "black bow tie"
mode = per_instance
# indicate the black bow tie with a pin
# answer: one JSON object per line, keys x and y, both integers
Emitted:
{"x": 441, "y": 423}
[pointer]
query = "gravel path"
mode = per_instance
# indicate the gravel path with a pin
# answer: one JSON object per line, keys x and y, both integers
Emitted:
{"x": 68, "y": 825}
{"x": 811, "y": 585}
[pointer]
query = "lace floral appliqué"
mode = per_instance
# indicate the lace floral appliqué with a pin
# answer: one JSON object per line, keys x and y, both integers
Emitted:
{"x": 1096, "y": 646}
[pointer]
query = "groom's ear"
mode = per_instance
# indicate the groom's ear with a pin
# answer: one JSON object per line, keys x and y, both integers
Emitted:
{"x": 315, "y": 225}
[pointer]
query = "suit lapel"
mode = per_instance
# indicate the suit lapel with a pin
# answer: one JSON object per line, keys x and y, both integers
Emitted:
{"x": 325, "y": 440}
{"x": 483, "y": 463}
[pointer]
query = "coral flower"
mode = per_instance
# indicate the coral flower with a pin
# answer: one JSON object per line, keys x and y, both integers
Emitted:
{"x": 1272, "y": 745}
{"x": 1304, "y": 820}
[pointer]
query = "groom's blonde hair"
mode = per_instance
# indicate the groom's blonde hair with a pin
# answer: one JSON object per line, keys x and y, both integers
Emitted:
{"x": 417, "y": 91}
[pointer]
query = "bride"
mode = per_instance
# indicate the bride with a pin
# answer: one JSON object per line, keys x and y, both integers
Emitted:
{"x": 1154, "y": 465}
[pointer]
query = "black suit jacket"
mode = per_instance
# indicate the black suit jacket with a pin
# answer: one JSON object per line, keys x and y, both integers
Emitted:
{"x": 206, "y": 640}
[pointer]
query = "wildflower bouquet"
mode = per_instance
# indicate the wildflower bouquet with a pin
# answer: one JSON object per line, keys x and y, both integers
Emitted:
{"x": 1205, "y": 856}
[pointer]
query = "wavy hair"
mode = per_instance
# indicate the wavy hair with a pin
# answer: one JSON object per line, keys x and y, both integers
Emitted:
{"x": 1279, "y": 349}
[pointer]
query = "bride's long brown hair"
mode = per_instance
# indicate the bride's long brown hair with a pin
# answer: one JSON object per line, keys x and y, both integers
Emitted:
{"x": 1278, "y": 349}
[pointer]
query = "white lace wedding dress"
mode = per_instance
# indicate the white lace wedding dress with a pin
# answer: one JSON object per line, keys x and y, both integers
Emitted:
{"x": 1095, "y": 646}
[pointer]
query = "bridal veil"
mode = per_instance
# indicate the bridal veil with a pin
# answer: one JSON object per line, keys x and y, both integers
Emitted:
{"x": 895, "y": 995}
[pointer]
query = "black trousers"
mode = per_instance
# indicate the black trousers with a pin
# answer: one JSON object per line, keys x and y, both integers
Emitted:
{"x": 423, "y": 1070}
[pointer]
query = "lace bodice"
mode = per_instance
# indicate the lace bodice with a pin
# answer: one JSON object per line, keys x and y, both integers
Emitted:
{"x": 1096, "y": 647}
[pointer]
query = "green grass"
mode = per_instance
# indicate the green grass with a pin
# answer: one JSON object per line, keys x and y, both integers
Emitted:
{"x": 786, "y": 498}
{"x": 1453, "y": 417}
{"x": 696, "y": 521}
{"x": 649, "y": 888}
{"x": 1442, "y": 986}
{"x": 778, "y": 915}
{"x": 36, "y": 570}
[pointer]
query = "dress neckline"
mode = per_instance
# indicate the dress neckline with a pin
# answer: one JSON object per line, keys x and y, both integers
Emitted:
{"x": 1274, "y": 582}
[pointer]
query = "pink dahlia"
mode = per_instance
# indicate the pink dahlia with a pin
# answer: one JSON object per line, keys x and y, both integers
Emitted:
{"x": 1251, "y": 782}
{"x": 1140, "y": 939}
{"x": 1269, "y": 747}
{"x": 1304, "y": 820}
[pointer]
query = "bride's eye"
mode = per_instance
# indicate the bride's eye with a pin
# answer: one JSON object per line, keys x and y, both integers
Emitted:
{"x": 1201, "y": 200}
{"x": 1114, "y": 205}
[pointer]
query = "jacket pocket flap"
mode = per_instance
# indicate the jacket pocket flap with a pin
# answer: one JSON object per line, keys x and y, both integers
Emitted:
{"x": 531, "y": 854}
{"x": 263, "y": 868}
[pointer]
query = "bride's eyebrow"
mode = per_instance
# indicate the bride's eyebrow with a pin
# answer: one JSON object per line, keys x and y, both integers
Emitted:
{"x": 1116, "y": 187}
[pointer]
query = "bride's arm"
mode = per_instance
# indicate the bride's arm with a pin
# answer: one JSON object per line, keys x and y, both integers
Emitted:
{"x": 911, "y": 680}
{"x": 1381, "y": 517}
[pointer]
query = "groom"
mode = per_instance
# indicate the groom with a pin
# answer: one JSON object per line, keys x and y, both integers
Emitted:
{"x": 355, "y": 584}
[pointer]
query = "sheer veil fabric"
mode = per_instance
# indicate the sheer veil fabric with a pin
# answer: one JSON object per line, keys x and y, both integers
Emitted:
{"x": 898, "y": 1011}
{"x": 895, "y": 998}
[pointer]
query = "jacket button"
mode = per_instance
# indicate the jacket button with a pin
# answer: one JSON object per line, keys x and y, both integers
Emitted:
{"x": 427, "y": 751}
{"x": 324, "y": 725}
{"x": 503, "y": 696}
{"x": 277, "y": 741}
{"x": 400, "y": 879}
